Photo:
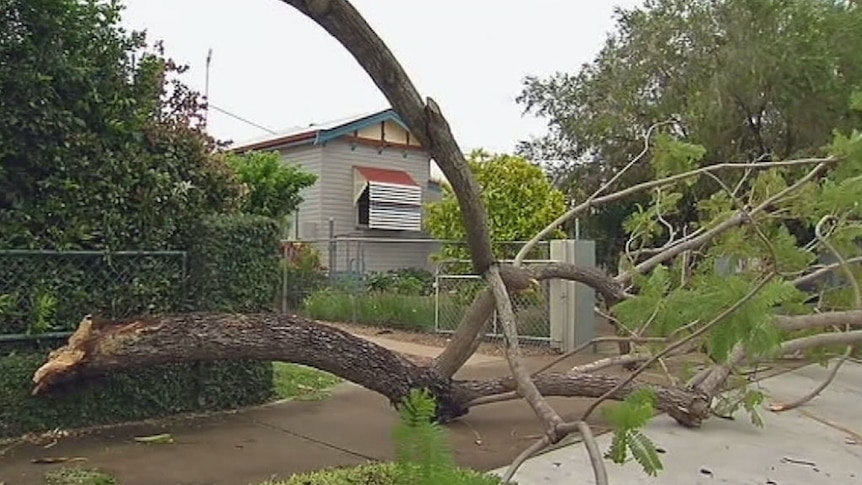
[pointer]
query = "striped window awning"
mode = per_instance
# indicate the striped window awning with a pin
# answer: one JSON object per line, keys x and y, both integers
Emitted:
{"x": 394, "y": 199}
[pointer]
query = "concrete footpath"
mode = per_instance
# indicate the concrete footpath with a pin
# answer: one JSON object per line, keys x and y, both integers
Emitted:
{"x": 818, "y": 443}
{"x": 253, "y": 445}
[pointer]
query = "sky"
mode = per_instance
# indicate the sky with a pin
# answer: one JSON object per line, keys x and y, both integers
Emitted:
{"x": 276, "y": 69}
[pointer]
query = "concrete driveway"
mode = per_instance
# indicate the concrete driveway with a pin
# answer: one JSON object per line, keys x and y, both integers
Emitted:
{"x": 818, "y": 443}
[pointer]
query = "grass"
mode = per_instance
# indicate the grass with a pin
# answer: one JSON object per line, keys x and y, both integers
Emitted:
{"x": 373, "y": 308}
{"x": 294, "y": 381}
{"x": 406, "y": 312}
{"x": 78, "y": 476}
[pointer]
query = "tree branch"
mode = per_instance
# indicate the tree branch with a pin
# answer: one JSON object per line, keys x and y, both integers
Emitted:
{"x": 597, "y": 201}
{"x": 424, "y": 119}
{"x": 736, "y": 220}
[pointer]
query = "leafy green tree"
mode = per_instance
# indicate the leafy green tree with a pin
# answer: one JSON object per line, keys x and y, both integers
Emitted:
{"x": 273, "y": 186}
{"x": 744, "y": 93}
{"x": 100, "y": 145}
{"x": 520, "y": 198}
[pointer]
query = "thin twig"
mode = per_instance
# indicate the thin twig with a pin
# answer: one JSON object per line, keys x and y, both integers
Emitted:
{"x": 754, "y": 225}
{"x": 523, "y": 456}
{"x": 594, "y": 341}
{"x": 583, "y": 206}
{"x": 779, "y": 407}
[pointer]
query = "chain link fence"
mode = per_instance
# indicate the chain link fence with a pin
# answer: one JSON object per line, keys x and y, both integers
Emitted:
{"x": 400, "y": 283}
{"x": 456, "y": 288}
{"x": 44, "y": 292}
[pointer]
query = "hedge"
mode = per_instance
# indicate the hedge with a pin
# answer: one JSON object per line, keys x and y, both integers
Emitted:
{"x": 146, "y": 393}
{"x": 235, "y": 264}
{"x": 232, "y": 266}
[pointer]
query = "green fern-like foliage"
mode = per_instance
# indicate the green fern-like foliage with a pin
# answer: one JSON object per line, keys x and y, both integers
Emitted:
{"x": 627, "y": 419}
{"x": 44, "y": 309}
{"x": 423, "y": 452}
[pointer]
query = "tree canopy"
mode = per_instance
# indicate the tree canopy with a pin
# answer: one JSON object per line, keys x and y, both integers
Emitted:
{"x": 745, "y": 79}
{"x": 100, "y": 145}
{"x": 273, "y": 186}
{"x": 519, "y": 195}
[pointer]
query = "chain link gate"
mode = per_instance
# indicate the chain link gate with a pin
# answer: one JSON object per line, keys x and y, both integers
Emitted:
{"x": 455, "y": 288}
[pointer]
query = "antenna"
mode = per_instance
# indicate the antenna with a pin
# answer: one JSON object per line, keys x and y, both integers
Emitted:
{"x": 207, "y": 85}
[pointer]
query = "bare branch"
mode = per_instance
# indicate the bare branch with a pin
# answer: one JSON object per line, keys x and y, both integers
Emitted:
{"x": 662, "y": 182}
{"x": 852, "y": 318}
{"x": 821, "y": 271}
{"x": 519, "y": 460}
{"x": 525, "y": 385}
{"x": 736, "y": 220}
{"x": 821, "y": 340}
{"x": 601, "y": 474}
{"x": 424, "y": 119}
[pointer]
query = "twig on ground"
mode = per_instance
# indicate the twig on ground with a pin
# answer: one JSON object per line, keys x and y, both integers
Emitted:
{"x": 780, "y": 407}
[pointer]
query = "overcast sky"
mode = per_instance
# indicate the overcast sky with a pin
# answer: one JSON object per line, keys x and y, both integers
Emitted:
{"x": 275, "y": 68}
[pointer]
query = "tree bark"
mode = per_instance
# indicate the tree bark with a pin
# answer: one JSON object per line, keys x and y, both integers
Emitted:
{"x": 100, "y": 347}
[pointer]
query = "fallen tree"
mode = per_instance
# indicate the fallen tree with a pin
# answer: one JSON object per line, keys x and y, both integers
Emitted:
{"x": 666, "y": 301}
{"x": 99, "y": 347}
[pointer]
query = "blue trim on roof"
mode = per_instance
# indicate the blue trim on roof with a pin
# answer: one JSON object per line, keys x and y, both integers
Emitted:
{"x": 324, "y": 136}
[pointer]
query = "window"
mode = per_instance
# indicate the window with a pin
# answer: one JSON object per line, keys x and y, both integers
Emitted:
{"x": 387, "y": 199}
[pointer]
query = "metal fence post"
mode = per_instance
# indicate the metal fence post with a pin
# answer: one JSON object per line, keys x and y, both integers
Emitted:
{"x": 333, "y": 254}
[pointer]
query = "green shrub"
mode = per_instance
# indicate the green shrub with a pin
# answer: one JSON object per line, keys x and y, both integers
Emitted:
{"x": 125, "y": 396}
{"x": 233, "y": 267}
{"x": 372, "y": 308}
{"x": 234, "y": 264}
{"x": 303, "y": 273}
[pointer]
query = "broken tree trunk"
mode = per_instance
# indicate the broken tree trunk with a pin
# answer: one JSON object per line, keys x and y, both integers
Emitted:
{"x": 100, "y": 347}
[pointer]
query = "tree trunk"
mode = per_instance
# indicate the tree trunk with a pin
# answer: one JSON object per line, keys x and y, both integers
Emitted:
{"x": 99, "y": 347}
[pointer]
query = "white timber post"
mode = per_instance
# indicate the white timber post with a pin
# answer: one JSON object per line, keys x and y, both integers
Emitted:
{"x": 571, "y": 304}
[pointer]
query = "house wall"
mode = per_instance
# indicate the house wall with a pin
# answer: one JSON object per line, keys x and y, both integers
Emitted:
{"x": 306, "y": 223}
{"x": 339, "y": 158}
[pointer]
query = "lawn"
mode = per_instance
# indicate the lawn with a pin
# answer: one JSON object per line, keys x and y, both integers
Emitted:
{"x": 294, "y": 381}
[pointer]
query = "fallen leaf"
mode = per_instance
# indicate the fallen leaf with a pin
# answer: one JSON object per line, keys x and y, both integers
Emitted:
{"x": 57, "y": 459}
{"x": 164, "y": 438}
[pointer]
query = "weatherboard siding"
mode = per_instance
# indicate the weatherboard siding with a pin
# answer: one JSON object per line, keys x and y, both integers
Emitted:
{"x": 307, "y": 222}
{"x": 339, "y": 158}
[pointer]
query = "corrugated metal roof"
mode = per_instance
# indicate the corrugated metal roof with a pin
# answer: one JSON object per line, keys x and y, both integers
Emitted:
{"x": 386, "y": 176}
{"x": 299, "y": 131}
